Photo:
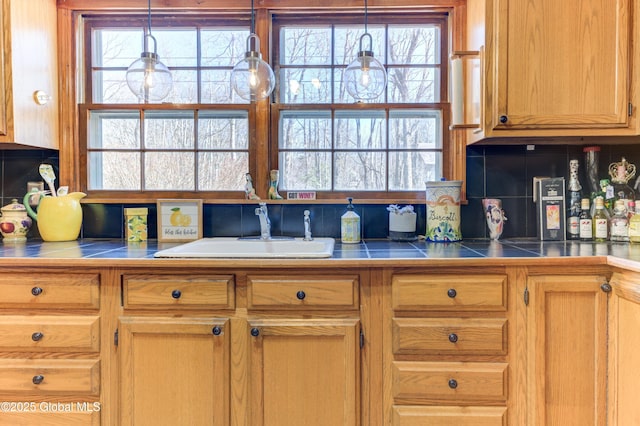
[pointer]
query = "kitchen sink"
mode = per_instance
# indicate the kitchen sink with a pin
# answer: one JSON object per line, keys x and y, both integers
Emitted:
{"x": 222, "y": 247}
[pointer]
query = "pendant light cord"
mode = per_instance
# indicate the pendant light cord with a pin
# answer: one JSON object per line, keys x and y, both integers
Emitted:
{"x": 366, "y": 17}
{"x": 253, "y": 24}
{"x": 149, "y": 17}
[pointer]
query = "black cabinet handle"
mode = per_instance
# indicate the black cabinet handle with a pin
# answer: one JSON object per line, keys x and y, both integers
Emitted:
{"x": 36, "y": 291}
{"x": 37, "y": 379}
{"x": 176, "y": 294}
{"x": 453, "y": 383}
{"x": 37, "y": 336}
{"x": 453, "y": 337}
{"x": 452, "y": 293}
{"x": 217, "y": 330}
{"x": 255, "y": 332}
{"x": 301, "y": 295}
{"x": 606, "y": 287}
{"x": 503, "y": 119}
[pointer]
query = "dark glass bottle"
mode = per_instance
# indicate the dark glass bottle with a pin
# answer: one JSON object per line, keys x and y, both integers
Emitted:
{"x": 573, "y": 213}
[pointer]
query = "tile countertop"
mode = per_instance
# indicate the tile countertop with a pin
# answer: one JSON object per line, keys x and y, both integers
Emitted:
{"x": 102, "y": 253}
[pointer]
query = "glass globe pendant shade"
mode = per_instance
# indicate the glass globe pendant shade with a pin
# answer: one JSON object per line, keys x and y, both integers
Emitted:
{"x": 365, "y": 78}
{"x": 252, "y": 78}
{"x": 148, "y": 78}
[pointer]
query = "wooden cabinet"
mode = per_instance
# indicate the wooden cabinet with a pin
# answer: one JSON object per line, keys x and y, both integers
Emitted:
{"x": 28, "y": 73}
{"x": 50, "y": 365}
{"x": 174, "y": 351}
{"x": 567, "y": 350}
{"x": 304, "y": 372}
{"x": 174, "y": 371}
{"x": 449, "y": 352}
{"x": 304, "y": 349}
{"x": 624, "y": 349}
{"x": 555, "y": 69}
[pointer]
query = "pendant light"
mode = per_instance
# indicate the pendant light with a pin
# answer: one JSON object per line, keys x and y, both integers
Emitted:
{"x": 148, "y": 78}
{"x": 365, "y": 78}
{"x": 252, "y": 78}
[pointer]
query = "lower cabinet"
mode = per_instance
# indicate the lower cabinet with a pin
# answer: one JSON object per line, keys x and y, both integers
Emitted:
{"x": 567, "y": 350}
{"x": 624, "y": 349}
{"x": 448, "y": 348}
{"x": 173, "y": 371}
{"x": 218, "y": 349}
{"x": 304, "y": 372}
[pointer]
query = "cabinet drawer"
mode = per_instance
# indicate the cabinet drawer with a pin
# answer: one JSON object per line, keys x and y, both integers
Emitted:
{"x": 461, "y": 336}
{"x": 285, "y": 292}
{"x": 69, "y": 333}
{"x": 85, "y": 418}
{"x": 450, "y": 381}
{"x": 50, "y": 376}
{"x": 449, "y": 416}
{"x": 50, "y": 290}
{"x": 448, "y": 292}
{"x": 182, "y": 292}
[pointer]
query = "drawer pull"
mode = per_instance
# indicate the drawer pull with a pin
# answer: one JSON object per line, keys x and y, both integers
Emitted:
{"x": 217, "y": 330}
{"x": 37, "y": 336}
{"x": 176, "y": 294}
{"x": 37, "y": 379}
{"x": 452, "y": 293}
{"x": 36, "y": 291}
{"x": 453, "y": 383}
{"x": 255, "y": 332}
{"x": 453, "y": 337}
{"x": 301, "y": 295}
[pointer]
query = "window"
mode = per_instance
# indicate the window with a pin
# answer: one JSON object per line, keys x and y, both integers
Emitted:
{"x": 203, "y": 138}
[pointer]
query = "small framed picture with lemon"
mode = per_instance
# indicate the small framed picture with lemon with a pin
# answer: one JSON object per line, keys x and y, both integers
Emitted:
{"x": 179, "y": 220}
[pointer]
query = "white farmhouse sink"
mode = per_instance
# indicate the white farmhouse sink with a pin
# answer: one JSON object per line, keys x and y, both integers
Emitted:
{"x": 252, "y": 248}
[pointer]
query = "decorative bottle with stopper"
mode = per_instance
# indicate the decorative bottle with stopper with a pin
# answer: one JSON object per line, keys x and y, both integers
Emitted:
{"x": 621, "y": 172}
{"x": 573, "y": 215}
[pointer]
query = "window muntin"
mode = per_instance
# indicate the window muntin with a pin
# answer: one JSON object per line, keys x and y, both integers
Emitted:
{"x": 200, "y": 59}
{"x": 201, "y": 70}
{"x": 185, "y": 150}
{"x": 394, "y": 143}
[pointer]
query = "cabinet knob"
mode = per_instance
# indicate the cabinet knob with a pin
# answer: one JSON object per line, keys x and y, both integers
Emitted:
{"x": 606, "y": 287}
{"x": 37, "y": 336}
{"x": 217, "y": 330}
{"x": 36, "y": 291}
{"x": 503, "y": 119}
{"x": 453, "y": 383}
{"x": 255, "y": 332}
{"x": 453, "y": 337}
{"x": 452, "y": 293}
{"x": 176, "y": 294}
{"x": 37, "y": 379}
{"x": 301, "y": 295}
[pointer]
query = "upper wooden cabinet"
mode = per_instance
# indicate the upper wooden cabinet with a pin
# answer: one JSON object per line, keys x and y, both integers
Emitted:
{"x": 28, "y": 73}
{"x": 554, "y": 69}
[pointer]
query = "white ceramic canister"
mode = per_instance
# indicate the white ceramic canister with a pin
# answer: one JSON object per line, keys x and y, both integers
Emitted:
{"x": 443, "y": 210}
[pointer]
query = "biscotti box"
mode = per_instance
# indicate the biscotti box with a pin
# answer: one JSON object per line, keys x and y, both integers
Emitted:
{"x": 550, "y": 209}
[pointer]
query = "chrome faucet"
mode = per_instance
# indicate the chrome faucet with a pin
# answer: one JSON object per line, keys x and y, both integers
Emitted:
{"x": 265, "y": 223}
{"x": 307, "y": 226}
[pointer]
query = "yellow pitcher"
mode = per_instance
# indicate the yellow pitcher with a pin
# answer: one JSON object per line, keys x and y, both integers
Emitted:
{"x": 59, "y": 218}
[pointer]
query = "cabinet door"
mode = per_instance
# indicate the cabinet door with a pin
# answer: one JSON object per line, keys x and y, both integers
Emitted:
{"x": 561, "y": 66}
{"x": 624, "y": 349}
{"x": 304, "y": 372}
{"x": 567, "y": 344}
{"x": 174, "y": 371}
